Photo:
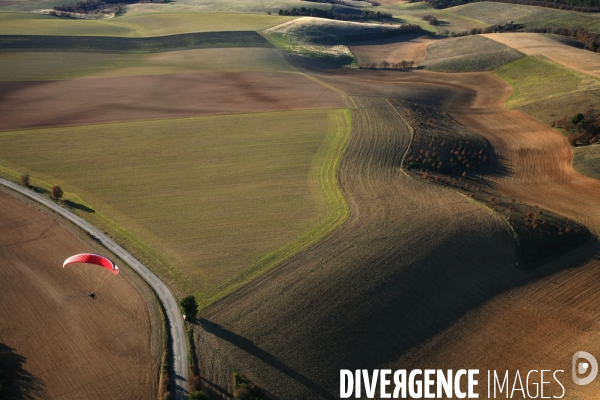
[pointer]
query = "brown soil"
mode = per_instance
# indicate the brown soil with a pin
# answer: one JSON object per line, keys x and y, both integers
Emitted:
{"x": 85, "y": 101}
{"x": 394, "y": 50}
{"x": 534, "y": 44}
{"x": 419, "y": 277}
{"x": 55, "y": 341}
{"x": 412, "y": 258}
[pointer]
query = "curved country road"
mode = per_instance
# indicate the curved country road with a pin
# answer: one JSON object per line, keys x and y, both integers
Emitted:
{"x": 179, "y": 372}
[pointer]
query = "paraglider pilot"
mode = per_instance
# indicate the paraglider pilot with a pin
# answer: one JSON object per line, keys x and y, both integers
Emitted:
{"x": 92, "y": 295}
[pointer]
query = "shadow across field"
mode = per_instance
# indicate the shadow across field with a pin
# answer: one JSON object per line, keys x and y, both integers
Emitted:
{"x": 16, "y": 382}
{"x": 410, "y": 262}
{"x": 249, "y": 347}
{"x": 72, "y": 204}
{"x": 201, "y": 40}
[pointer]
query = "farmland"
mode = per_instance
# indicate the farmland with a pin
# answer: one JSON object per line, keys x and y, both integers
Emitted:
{"x": 133, "y": 45}
{"x": 85, "y": 101}
{"x": 370, "y": 278}
{"x": 393, "y": 50}
{"x": 468, "y": 54}
{"x": 135, "y": 25}
{"x": 86, "y": 349}
{"x": 207, "y": 180}
{"x": 534, "y": 44}
{"x": 43, "y": 66}
{"x": 586, "y": 161}
{"x": 300, "y": 202}
{"x": 546, "y": 90}
{"x": 531, "y": 17}
{"x": 247, "y": 326}
{"x": 328, "y": 39}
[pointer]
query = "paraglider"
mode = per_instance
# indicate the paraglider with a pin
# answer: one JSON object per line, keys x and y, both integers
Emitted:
{"x": 96, "y": 279}
{"x": 88, "y": 258}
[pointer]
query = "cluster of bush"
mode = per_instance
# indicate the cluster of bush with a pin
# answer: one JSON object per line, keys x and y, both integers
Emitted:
{"x": 329, "y": 14}
{"x": 509, "y": 27}
{"x": 388, "y": 65}
{"x": 245, "y": 389}
{"x": 573, "y": 5}
{"x": 432, "y": 20}
{"x": 583, "y": 128}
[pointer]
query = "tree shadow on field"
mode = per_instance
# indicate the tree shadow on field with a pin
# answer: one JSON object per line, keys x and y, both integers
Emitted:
{"x": 16, "y": 382}
{"x": 266, "y": 357}
{"x": 78, "y": 206}
{"x": 499, "y": 167}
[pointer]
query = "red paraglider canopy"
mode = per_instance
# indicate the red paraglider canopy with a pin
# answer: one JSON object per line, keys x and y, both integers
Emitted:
{"x": 88, "y": 258}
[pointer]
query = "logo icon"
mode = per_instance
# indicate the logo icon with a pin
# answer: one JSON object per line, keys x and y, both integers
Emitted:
{"x": 582, "y": 367}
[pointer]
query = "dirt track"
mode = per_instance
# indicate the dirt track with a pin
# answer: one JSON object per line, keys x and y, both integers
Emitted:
{"x": 85, "y": 101}
{"x": 56, "y": 342}
{"x": 418, "y": 276}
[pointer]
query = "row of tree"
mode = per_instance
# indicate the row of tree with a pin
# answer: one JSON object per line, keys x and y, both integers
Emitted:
{"x": 329, "y": 14}
{"x": 56, "y": 192}
{"x": 590, "y": 40}
{"x": 389, "y": 65}
{"x": 573, "y": 5}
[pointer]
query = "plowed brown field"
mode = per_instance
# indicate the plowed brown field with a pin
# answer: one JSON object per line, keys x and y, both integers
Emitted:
{"x": 412, "y": 258}
{"x": 56, "y": 342}
{"x": 85, "y": 101}
{"x": 407, "y": 48}
{"x": 420, "y": 277}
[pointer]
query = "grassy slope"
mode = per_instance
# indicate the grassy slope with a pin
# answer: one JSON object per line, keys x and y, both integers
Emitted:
{"x": 135, "y": 25}
{"x": 542, "y": 88}
{"x": 586, "y": 160}
{"x": 202, "y": 198}
{"x": 531, "y": 17}
{"x": 325, "y": 39}
{"x": 468, "y": 54}
{"x": 33, "y": 66}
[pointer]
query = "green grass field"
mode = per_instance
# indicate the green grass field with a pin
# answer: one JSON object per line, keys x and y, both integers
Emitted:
{"x": 532, "y": 17}
{"x": 537, "y": 80}
{"x": 37, "y": 66}
{"x": 110, "y": 44}
{"x": 208, "y": 202}
{"x": 468, "y": 54}
{"x": 135, "y": 25}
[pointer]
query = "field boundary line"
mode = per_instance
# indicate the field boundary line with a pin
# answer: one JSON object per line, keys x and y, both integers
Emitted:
{"x": 175, "y": 325}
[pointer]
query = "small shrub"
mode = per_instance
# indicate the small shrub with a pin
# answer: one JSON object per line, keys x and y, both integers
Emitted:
{"x": 198, "y": 395}
{"x": 25, "y": 180}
